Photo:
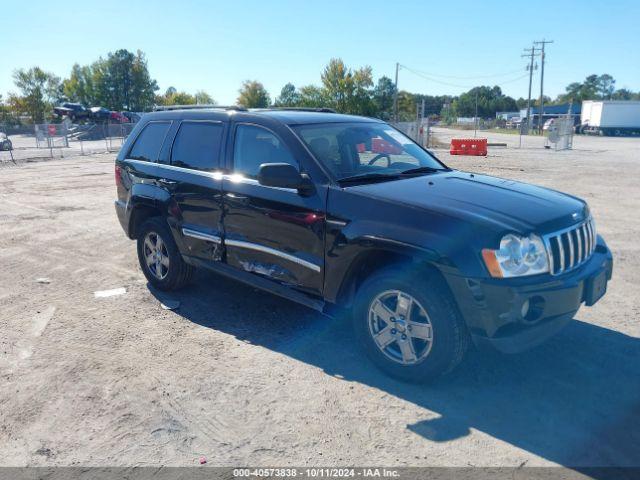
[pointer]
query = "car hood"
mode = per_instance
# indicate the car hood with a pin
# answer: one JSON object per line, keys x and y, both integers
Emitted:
{"x": 506, "y": 204}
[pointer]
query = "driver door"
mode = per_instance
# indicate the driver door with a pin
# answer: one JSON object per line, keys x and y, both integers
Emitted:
{"x": 272, "y": 232}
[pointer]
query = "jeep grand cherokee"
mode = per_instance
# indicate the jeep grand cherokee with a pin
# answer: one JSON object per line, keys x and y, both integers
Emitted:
{"x": 336, "y": 211}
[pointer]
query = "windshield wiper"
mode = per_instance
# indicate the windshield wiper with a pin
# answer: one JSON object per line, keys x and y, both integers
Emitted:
{"x": 420, "y": 170}
{"x": 363, "y": 177}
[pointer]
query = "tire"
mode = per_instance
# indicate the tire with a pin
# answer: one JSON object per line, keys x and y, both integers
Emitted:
{"x": 168, "y": 271}
{"x": 449, "y": 338}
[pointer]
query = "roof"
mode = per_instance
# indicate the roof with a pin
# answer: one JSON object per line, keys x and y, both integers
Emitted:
{"x": 299, "y": 117}
{"x": 555, "y": 109}
{"x": 289, "y": 117}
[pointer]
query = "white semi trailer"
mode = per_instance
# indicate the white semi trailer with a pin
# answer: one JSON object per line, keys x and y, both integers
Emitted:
{"x": 610, "y": 117}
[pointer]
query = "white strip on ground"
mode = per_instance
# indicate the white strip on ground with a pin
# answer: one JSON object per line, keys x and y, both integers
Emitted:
{"x": 110, "y": 293}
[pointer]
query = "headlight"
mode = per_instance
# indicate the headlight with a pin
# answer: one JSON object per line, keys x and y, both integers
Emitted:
{"x": 517, "y": 257}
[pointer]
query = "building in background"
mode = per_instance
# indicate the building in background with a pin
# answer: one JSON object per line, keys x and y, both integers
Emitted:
{"x": 553, "y": 111}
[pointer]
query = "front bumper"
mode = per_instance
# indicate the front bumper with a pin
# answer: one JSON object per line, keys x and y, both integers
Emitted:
{"x": 493, "y": 308}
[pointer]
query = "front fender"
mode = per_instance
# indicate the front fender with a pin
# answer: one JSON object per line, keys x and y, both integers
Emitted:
{"x": 358, "y": 225}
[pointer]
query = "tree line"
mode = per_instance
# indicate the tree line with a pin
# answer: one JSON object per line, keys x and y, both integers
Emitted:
{"x": 121, "y": 81}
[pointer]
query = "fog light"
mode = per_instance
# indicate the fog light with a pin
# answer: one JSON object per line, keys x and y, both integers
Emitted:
{"x": 532, "y": 309}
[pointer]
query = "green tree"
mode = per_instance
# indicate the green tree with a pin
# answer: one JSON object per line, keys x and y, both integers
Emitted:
{"x": 203, "y": 98}
{"x": 489, "y": 101}
{"x": 406, "y": 106}
{"x": 79, "y": 87}
{"x": 289, "y": 97}
{"x": 174, "y": 97}
{"x": 119, "y": 82}
{"x": 383, "y": 95}
{"x": 7, "y": 116}
{"x": 594, "y": 87}
{"x": 336, "y": 80}
{"x": 39, "y": 89}
{"x": 348, "y": 91}
{"x": 624, "y": 94}
{"x": 360, "y": 101}
{"x": 253, "y": 95}
{"x": 312, "y": 96}
{"x": 606, "y": 85}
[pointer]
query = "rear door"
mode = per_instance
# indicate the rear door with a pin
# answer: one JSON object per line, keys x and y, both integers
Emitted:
{"x": 272, "y": 232}
{"x": 189, "y": 170}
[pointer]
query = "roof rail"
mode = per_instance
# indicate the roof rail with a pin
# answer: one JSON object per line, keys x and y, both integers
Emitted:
{"x": 305, "y": 109}
{"x": 162, "y": 108}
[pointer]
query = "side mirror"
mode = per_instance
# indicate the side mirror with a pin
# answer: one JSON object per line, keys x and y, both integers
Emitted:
{"x": 283, "y": 175}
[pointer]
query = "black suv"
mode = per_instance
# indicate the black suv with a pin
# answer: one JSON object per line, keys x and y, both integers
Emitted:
{"x": 344, "y": 213}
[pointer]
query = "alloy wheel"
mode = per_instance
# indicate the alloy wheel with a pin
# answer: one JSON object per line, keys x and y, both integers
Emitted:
{"x": 400, "y": 327}
{"x": 156, "y": 255}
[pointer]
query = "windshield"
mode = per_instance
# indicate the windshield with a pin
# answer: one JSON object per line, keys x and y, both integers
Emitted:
{"x": 350, "y": 149}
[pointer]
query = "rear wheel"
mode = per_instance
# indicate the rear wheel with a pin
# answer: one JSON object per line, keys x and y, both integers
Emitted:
{"x": 159, "y": 257}
{"x": 409, "y": 326}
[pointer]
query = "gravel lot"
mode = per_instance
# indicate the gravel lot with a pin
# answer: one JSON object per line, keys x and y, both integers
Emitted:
{"x": 243, "y": 377}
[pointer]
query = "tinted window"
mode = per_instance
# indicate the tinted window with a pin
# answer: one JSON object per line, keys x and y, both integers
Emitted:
{"x": 197, "y": 145}
{"x": 149, "y": 142}
{"x": 255, "y": 146}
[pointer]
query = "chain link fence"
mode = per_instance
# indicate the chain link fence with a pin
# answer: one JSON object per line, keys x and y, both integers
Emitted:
{"x": 59, "y": 140}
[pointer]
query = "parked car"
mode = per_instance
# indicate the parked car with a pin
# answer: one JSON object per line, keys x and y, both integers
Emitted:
{"x": 118, "y": 117}
{"x": 5, "y": 143}
{"x": 74, "y": 111}
{"x": 99, "y": 114}
{"x": 347, "y": 215}
{"x": 132, "y": 116}
{"x": 514, "y": 122}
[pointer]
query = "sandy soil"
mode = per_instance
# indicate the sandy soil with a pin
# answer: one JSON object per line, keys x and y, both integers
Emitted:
{"x": 242, "y": 377}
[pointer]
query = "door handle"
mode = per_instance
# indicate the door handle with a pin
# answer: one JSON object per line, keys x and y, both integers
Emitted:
{"x": 237, "y": 198}
{"x": 167, "y": 182}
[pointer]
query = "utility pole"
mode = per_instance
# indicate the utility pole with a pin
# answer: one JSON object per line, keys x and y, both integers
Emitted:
{"x": 421, "y": 134}
{"x": 475, "y": 118}
{"x": 531, "y": 52}
{"x": 543, "y": 42}
{"x": 395, "y": 96}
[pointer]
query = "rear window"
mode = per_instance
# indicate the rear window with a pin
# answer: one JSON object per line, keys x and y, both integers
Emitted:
{"x": 148, "y": 144}
{"x": 197, "y": 146}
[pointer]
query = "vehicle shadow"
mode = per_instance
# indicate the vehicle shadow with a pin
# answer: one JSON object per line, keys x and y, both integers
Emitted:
{"x": 574, "y": 401}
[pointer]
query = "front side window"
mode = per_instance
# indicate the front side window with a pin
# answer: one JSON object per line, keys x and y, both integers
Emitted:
{"x": 254, "y": 146}
{"x": 149, "y": 143}
{"x": 197, "y": 146}
{"x": 349, "y": 149}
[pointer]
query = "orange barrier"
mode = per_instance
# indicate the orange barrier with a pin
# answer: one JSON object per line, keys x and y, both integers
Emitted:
{"x": 469, "y": 146}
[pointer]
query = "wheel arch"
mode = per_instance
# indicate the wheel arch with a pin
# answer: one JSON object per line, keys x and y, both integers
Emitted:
{"x": 371, "y": 261}
{"x": 140, "y": 214}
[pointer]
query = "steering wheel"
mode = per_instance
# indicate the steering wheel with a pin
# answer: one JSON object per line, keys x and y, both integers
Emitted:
{"x": 378, "y": 157}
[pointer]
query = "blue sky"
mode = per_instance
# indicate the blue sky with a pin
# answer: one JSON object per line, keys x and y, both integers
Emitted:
{"x": 215, "y": 45}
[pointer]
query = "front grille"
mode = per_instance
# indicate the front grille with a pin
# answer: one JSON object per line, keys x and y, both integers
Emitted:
{"x": 571, "y": 247}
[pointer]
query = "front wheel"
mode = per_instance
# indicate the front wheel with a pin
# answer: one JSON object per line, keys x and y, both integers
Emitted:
{"x": 409, "y": 325}
{"x": 160, "y": 258}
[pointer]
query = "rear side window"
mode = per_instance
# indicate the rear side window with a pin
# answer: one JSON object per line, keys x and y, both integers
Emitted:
{"x": 149, "y": 142}
{"x": 197, "y": 146}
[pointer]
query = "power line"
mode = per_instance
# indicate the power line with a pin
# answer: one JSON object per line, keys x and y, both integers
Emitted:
{"x": 473, "y": 77}
{"x": 435, "y": 80}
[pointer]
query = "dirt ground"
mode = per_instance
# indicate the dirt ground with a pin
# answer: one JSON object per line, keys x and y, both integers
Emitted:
{"x": 243, "y": 377}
